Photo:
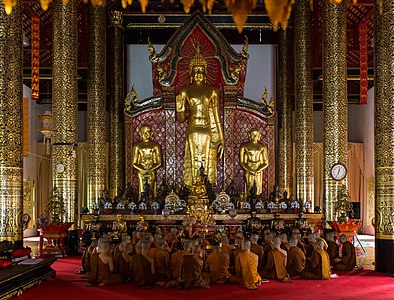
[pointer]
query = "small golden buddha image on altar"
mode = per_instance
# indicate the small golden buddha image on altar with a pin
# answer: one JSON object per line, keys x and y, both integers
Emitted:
{"x": 204, "y": 138}
{"x": 147, "y": 157}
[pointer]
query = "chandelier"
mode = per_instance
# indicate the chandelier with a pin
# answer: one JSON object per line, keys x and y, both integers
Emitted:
{"x": 278, "y": 10}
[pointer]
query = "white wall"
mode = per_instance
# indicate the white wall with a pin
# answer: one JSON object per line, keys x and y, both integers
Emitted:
{"x": 261, "y": 70}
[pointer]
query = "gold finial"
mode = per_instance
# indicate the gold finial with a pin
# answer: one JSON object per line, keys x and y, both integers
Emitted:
{"x": 245, "y": 48}
{"x": 151, "y": 50}
{"x": 197, "y": 60}
{"x": 116, "y": 18}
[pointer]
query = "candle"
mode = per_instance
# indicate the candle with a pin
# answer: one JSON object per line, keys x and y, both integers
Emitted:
{"x": 220, "y": 245}
{"x": 206, "y": 230}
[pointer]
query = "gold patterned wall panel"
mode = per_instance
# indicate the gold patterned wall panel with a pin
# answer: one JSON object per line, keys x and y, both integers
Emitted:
{"x": 303, "y": 100}
{"x": 370, "y": 200}
{"x": 29, "y": 203}
{"x": 116, "y": 96}
{"x": 11, "y": 163}
{"x": 334, "y": 98}
{"x": 285, "y": 106}
{"x": 96, "y": 104}
{"x": 26, "y": 124}
{"x": 384, "y": 120}
{"x": 64, "y": 103}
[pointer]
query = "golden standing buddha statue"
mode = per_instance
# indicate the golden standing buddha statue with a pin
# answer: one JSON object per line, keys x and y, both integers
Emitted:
{"x": 204, "y": 137}
{"x": 146, "y": 159}
{"x": 254, "y": 159}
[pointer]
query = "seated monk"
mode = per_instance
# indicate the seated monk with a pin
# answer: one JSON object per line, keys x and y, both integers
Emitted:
{"x": 191, "y": 270}
{"x": 295, "y": 259}
{"x": 143, "y": 267}
{"x": 297, "y": 235}
{"x": 107, "y": 236}
{"x": 267, "y": 244}
{"x": 309, "y": 247}
{"x": 102, "y": 266}
{"x": 162, "y": 260}
{"x": 226, "y": 247}
{"x": 218, "y": 264}
{"x": 333, "y": 248}
{"x": 275, "y": 268}
{"x": 176, "y": 259}
{"x": 348, "y": 260}
{"x": 235, "y": 251}
{"x": 284, "y": 242}
{"x": 122, "y": 261}
{"x": 246, "y": 267}
{"x": 319, "y": 266}
{"x": 119, "y": 248}
{"x": 86, "y": 256}
{"x": 258, "y": 250}
{"x": 319, "y": 238}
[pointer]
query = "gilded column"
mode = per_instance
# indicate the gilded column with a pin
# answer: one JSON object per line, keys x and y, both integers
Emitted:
{"x": 65, "y": 103}
{"x": 116, "y": 98}
{"x": 384, "y": 136}
{"x": 285, "y": 145}
{"x": 303, "y": 90}
{"x": 96, "y": 103}
{"x": 11, "y": 94}
{"x": 335, "y": 140}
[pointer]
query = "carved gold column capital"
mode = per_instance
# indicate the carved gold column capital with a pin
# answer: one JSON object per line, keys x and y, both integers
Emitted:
{"x": 116, "y": 18}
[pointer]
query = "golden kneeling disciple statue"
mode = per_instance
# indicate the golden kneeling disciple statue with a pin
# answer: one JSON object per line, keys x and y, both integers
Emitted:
{"x": 254, "y": 159}
{"x": 204, "y": 139}
{"x": 146, "y": 159}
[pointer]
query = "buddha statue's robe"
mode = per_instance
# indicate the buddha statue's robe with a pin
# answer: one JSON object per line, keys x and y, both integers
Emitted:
{"x": 100, "y": 273}
{"x": 295, "y": 261}
{"x": 319, "y": 267}
{"x": 246, "y": 269}
{"x": 218, "y": 264}
{"x": 162, "y": 263}
{"x": 176, "y": 263}
{"x": 348, "y": 258}
{"x": 275, "y": 268}
{"x": 121, "y": 266}
{"x": 191, "y": 272}
{"x": 259, "y": 251}
{"x": 333, "y": 251}
{"x": 141, "y": 271}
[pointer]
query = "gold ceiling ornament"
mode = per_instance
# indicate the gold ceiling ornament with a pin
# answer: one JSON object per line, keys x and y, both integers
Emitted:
{"x": 207, "y": 5}
{"x": 279, "y": 12}
{"x": 240, "y": 10}
{"x": 187, "y": 4}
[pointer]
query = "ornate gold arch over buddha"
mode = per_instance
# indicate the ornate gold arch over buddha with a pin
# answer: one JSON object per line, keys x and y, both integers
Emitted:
{"x": 226, "y": 71}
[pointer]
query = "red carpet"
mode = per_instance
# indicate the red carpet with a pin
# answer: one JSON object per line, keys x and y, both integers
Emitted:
{"x": 350, "y": 285}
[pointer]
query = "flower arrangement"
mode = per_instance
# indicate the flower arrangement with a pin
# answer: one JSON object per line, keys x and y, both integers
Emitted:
{"x": 132, "y": 206}
{"x": 140, "y": 228}
{"x": 143, "y": 206}
{"x": 107, "y": 207}
{"x": 120, "y": 206}
{"x": 271, "y": 206}
{"x": 279, "y": 227}
{"x": 95, "y": 208}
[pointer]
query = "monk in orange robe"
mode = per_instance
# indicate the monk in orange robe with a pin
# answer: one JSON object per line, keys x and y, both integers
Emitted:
{"x": 319, "y": 266}
{"x": 297, "y": 235}
{"x": 191, "y": 274}
{"x": 319, "y": 238}
{"x": 235, "y": 251}
{"x": 102, "y": 266}
{"x": 284, "y": 242}
{"x": 122, "y": 260}
{"x": 161, "y": 258}
{"x": 143, "y": 267}
{"x": 246, "y": 267}
{"x": 310, "y": 248}
{"x": 348, "y": 260}
{"x": 275, "y": 267}
{"x": 176, "y": 259}
{"x": 295, "y": 259}
{"x": 333, "y": 248}
{"x": 267, "y": 245}
{"x": 226, "y": 247}
{"x": 218, "y": 264}
{"x": 119, "y": 248}
{"x": 87, "y": 254}
{"x": 258, "y": 250}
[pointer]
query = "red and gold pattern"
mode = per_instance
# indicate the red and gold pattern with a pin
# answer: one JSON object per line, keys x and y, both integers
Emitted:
{"x": 363, "y": 63}
{"x": 35, "y": 56}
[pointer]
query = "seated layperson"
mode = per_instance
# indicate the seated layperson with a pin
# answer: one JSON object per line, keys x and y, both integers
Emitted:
{"x": 275, "y": 267}
{"x": 246, "y": 267}
{"x": 348, "y": 260}
{"x": 295, "y": 259}
{"x": 218, "y": 264}
{"x": 102, "y": 266}
{"x": 258, "y": 250}
{"x": 191, "y": 270}
{"x": 143, "y": 267}
{"x": 333, "y": 248}
{"x": 176, "y": 259}
{"x": 319, "y": 266}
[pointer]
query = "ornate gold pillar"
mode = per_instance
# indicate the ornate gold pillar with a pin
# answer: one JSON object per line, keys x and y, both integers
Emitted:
{"x": 303, "y": 90}
{"x": 11, "y": 94}
{"x": 96, "y": 103}
{"x": 384, "y": 136}
{"x": 65, "y": 103}
{"x": 285, "y": 145}
{"x": 116, "y": 98}
{"x": 335, "y": 140}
